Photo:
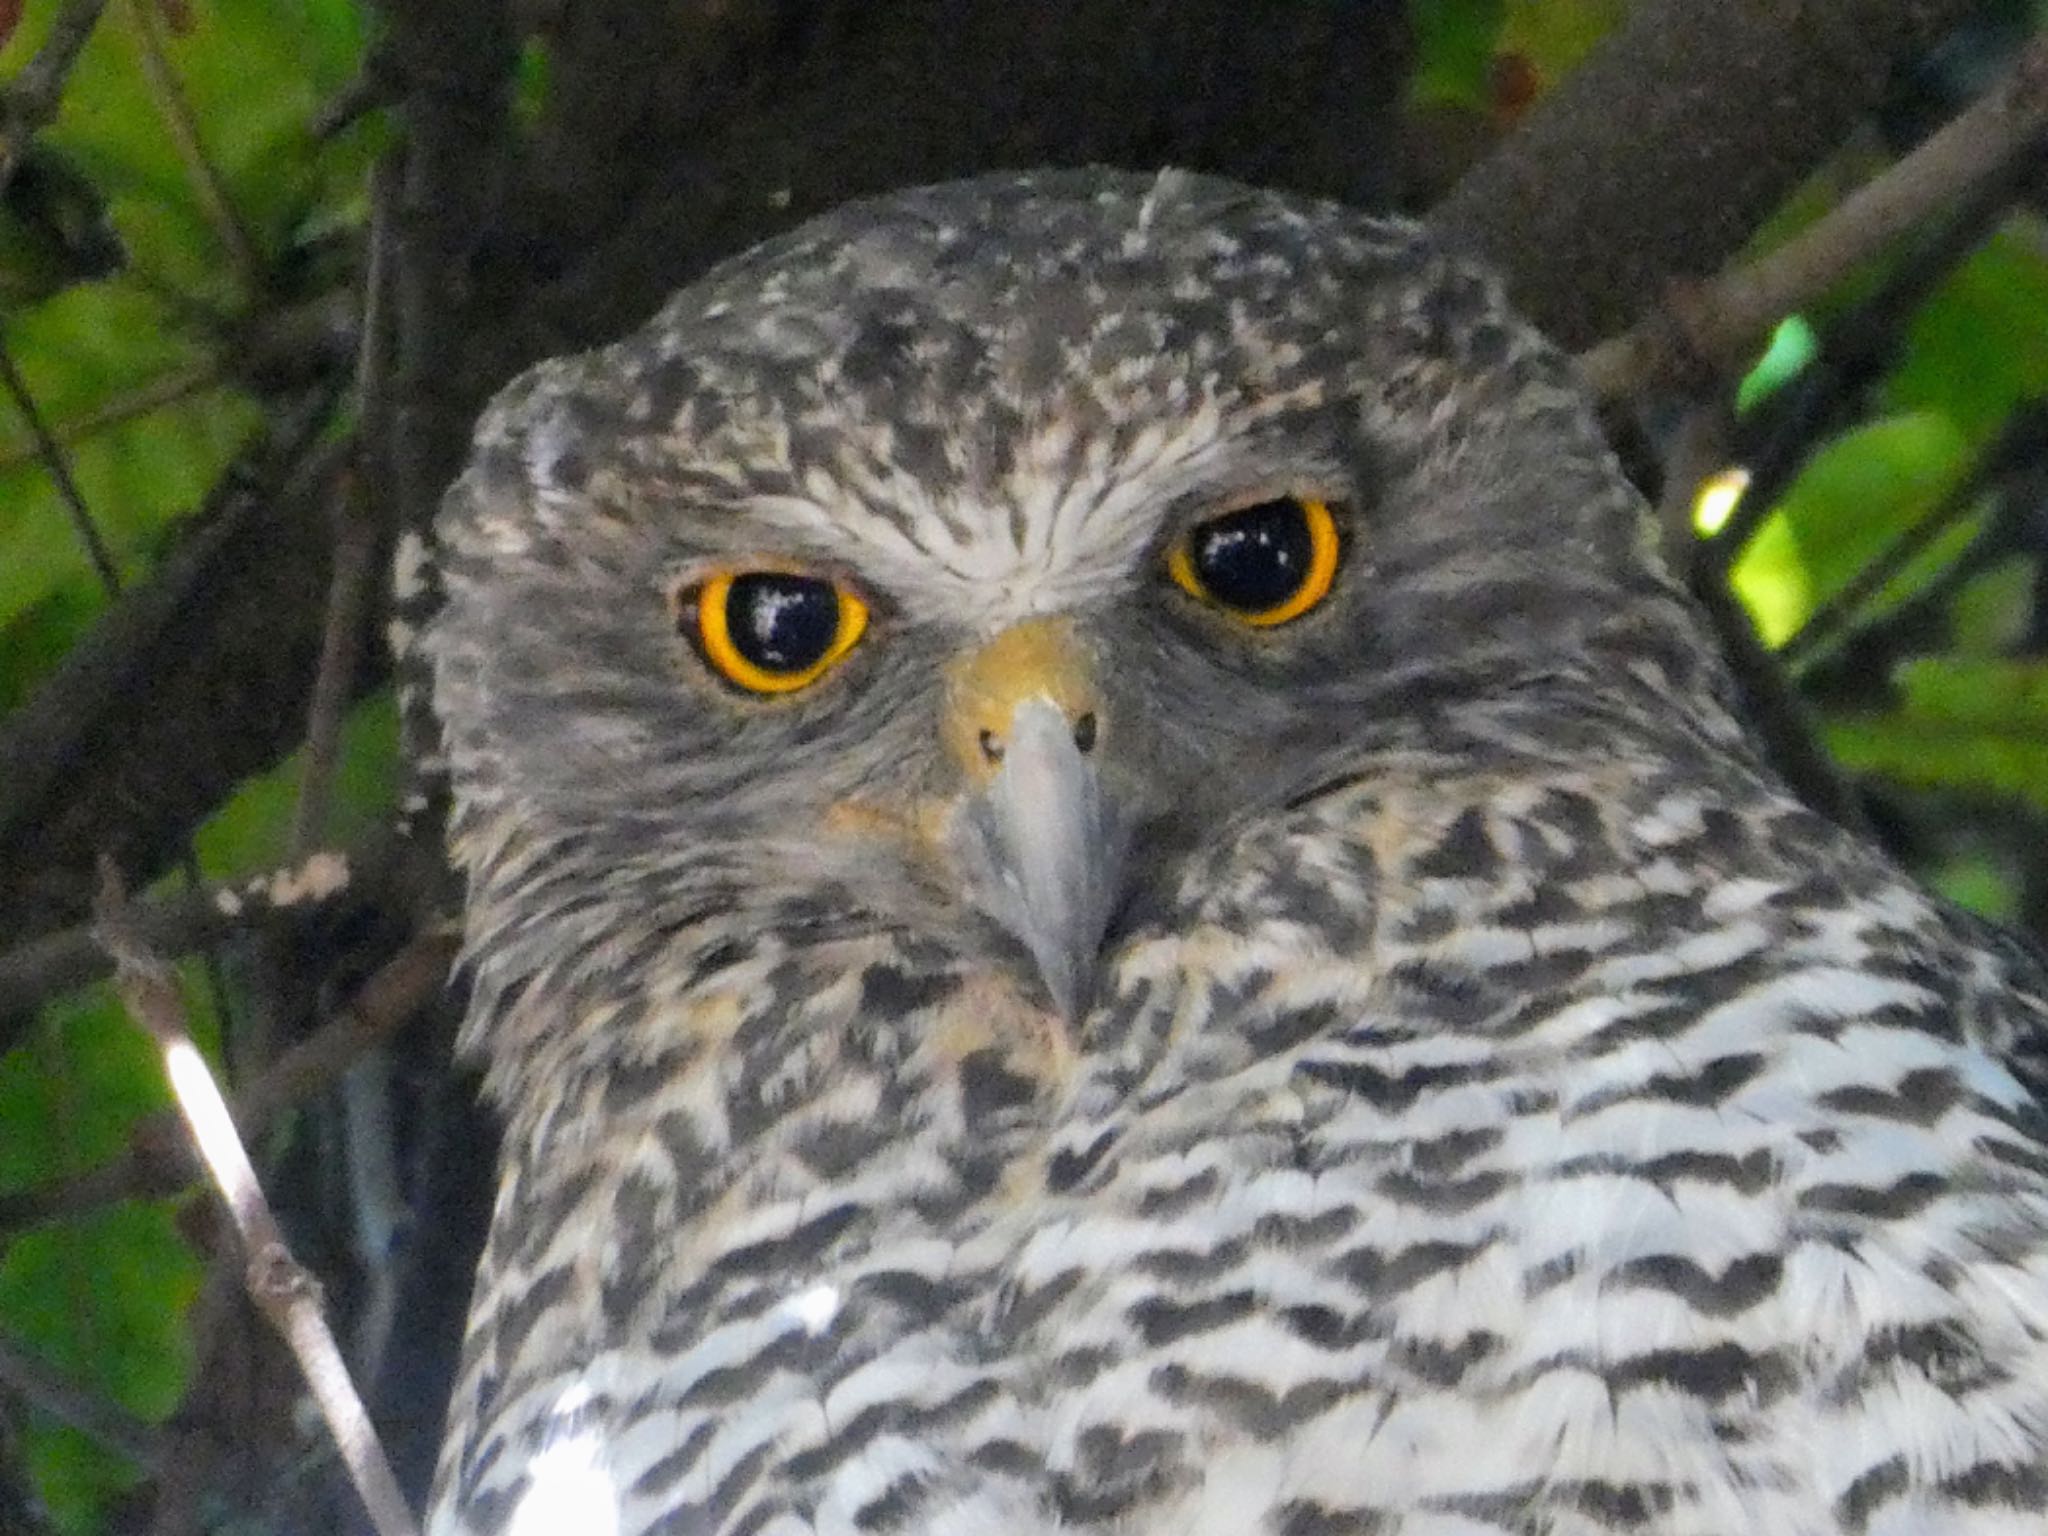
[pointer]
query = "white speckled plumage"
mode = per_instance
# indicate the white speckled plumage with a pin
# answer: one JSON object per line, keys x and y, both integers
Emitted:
{"x": 1500, "y": 1107}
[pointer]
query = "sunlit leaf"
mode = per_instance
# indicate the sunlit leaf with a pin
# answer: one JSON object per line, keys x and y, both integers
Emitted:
{"x": 1715, "y": 501}
{"x": 1554, "y": 35}
{"x": 1852, "y": 500}
{"x": 1793, "y": 346}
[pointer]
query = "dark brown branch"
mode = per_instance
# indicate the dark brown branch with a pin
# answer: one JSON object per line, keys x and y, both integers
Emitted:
{"x": 32, "y": 97}
{"x": 1719, "y": 325}
{"x": 105, "y": 756}
{"x": 282, "y": 1288}
{"x": 380, "y": 872}
{"x": 457, "y": 60}
{"x": 1726, "y": 109}
{"x": 365, "y": 513}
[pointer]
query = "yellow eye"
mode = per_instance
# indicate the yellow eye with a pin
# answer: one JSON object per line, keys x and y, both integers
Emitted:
{"x": 773, "y": 631}
{"x": 1264, "y": 564}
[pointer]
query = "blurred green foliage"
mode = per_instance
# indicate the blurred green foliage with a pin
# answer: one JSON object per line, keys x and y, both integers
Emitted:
{"x": 130, "y": 358}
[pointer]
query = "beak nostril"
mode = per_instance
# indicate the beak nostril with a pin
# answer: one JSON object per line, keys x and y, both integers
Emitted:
{"x": 1084, "y": 732}
{"x": 991, "y": 746}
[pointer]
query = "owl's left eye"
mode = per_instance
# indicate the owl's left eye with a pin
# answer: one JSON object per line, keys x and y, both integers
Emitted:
{"x": 773, "y": 631}
{"x": 1264, "y": 564}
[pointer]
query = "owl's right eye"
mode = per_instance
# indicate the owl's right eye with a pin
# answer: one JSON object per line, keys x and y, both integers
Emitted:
{"x": 772, "y": 631}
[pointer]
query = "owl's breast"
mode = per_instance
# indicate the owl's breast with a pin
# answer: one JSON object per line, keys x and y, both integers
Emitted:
{"x": 1530, "y": 1209}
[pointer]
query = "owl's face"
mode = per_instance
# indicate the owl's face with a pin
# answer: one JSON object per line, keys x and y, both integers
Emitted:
{"x": 963, "y": 563}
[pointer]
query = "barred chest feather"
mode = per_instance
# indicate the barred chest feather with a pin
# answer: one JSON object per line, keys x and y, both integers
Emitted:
{"x": 1536, "y": 1156}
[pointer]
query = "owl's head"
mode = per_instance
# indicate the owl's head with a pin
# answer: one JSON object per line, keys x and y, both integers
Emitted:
{"x": 960, "y": 563}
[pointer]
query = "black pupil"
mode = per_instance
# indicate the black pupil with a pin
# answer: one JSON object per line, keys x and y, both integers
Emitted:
{"x": 1255, "y": 559}
{"x": 782, "y": 623}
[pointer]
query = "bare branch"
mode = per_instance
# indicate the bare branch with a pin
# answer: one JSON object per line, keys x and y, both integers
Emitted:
{"x": 172, "y": 106}
{"x": 1719, "y": 325}
{"x": 364, "y": 512}
{"x": 154, "y": 1163}
{"x": 58, "y": 468}
{"x": 395, "y": 992}
{"x": 282, "y": 1288}
{"x": 385, "y": 871}
{"x": 166, "y": 389}
{"x": 1727, "y": 108}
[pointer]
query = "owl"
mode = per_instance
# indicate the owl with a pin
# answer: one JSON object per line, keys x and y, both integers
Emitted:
{"x": 1108, "y": 892}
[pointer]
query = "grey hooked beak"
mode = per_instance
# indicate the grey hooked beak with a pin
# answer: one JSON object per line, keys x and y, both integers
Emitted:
{"x": 1043, "y": 846}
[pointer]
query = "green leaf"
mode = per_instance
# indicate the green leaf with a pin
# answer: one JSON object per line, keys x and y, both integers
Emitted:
{"x": 1793, "y": 346}
{"x": 1454, "y": 46}
{"x": 1961, "y": 724}
{"x": 1554, "y": 35}
{"x": 1973, "y": 692}
{"x": 83, "y": 348}
{"x": 1995, "y": 609}
{"x": 1979, "y": 346}
{"x": 102, "y": 1297}
{"x": 1979, "y": 883}
{"x": 71, "y": 1093}
{"x": 1851, "y": 501}
{"x": 74, "y": 1475}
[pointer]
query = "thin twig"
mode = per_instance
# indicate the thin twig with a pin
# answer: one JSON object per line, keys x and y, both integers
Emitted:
{"x": 364, "y": 508}
{"x": 154, "y": 1162}
{"x": 1719, "y": 324}
{"x": 33, "y": 96}
{"x": 183, "y": 126}
{"x": 195, "y": 917}
{"x": 282, "y": 1288}
{"x": 63, "y": 1398}
{"x": 395, "y": 992}
{"x": 51, "y": 453}
{"x": 168, "y": 389}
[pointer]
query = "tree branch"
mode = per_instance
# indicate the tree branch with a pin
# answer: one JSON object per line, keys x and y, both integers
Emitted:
{"x": 282, "y": 1288}
{"x": 185, "y": 686}
{"x": 1719, "y": 325}
{"x": 154, "y": 1163}
{"x": 182, "y": 126}
{"x": 383, "y": 872}
{"x": 1726, "y": 106}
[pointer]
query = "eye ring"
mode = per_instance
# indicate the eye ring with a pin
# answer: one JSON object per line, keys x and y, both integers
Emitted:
{"x": 1265, "y": 564}
{"x": 790, "y": 630}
